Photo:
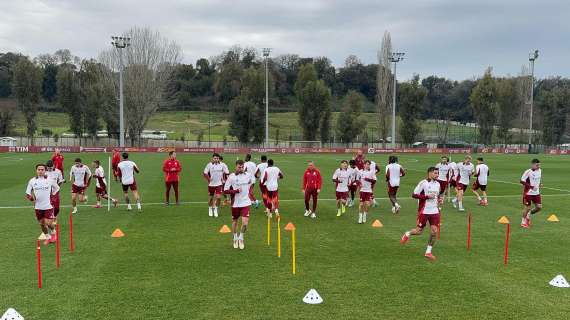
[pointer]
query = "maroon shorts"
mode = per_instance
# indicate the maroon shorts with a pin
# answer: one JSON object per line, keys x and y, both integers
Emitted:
{"x": 452, "y": 183}
{"x": 423, "y": 219}
{"x": 529, "y": 199}
{"x": 240, "y": 212}
{"x": 366, "y": 196}
{"x": 477, "y": 186}
{"x": 171, "y": 184}
{"x": 341, "y": 195}
{"x": 76, "y": 189}
{"x": 100, "y": 191}
{"x": 44, "y": 214}
{"x": 461, "y": 186}
{"x": 392, "y": 190}
{"x": 132, "y": 186}
{"x": 54, "y": 199}
{"x": 442, "y": 186}
{"x": 215, "y": 190}
{"x": 272, "y": 194}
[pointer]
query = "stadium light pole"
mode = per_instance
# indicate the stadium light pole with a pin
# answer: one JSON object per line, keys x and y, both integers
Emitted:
{"x": 531, "y": 58}
{"x": 395, "y": 58}
{"x": 121, "y": 43}
{"x": 266, "y": 52}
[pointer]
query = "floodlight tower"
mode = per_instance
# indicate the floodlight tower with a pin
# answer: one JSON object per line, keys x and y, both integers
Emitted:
{"x": 395, "y": 58}
{"x": 121, "y": 43}
{"x": 531, "y": 58}
{"x": 266, "y": 52}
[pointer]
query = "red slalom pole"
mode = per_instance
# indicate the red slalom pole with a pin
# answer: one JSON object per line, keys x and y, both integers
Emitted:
{"x": 507, "y": 244}
{"x": 469, "y": 233}
{"x": 71, "y": 244}
{"x": 57, "y": 261}
{"x": 39, "y": 255}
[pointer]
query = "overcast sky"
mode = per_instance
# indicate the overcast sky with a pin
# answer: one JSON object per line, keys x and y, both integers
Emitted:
{"x": 453, "y": 38}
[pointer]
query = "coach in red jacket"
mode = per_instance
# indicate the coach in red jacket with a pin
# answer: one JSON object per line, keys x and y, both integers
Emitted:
{"x": 312, "y": 183}
{"x": 171, "y": 168}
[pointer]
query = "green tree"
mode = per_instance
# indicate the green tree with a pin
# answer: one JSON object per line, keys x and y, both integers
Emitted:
{"x": 49, "y": 83}
{"x": 349, "y": 123}
{"x": 508, "y": 106}
{"x": 553, "y": 104}
{"x": 96, "y": 96}
{"x": 411, "y": 99}
{"x": 69, "y": 98}
{"x": 228, "y": 83}
{"x": 27, "y": 84}
{"x": 8, "y": 63}
{"x": 314, "y": 104}
{"x": 484, "y": 103}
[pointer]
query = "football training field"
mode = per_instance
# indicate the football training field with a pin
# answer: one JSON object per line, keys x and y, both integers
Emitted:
{"x": 174, "y": 264}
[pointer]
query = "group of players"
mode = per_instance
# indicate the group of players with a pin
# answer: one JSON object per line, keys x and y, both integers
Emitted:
{"x": 358, "y": 175}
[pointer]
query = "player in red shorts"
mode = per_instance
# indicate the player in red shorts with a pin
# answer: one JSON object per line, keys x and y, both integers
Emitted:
{"x": 481, "y": 178}
{"x": 40, "y": 189}
{"x": 80, "y": 175}
{"x": 258, "y": 174}
{"x": 366, "y": 181}
{"x": 57, "y": 177}
{"x": 57, "y": 159}
{"x": 341, "y": 179}
{"x": 127, "y": 170}
{"x": 311, "y": 187}
{"x": 115, "y": 163}
{"x": 444, "y": 170}
{"x": 101, "y": 185}
{"x": 270, "y": 179}
{"x": 214, "y": 174}
{"x": 353, "y": 181}
{"x": 237, "y": 186}
{"x": 171, "y": 168}
{"x": 531, "y": 193}
{"x": 394, "y": 171}
{"x": 427, "y": 193}
{"x": 465, "y": 170}
{"x": 251, "y": 168}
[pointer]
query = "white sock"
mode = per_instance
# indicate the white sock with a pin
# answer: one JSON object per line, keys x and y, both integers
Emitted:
{"x": 454, "y": 199}
{"x": 235, "y": 236}
{"x": 240, "y": 237}
{"x": 428, "y": 249}
{"x": 460, "y": 204}
{"x": 479, "y": 198}
{"x": 408, "y": 233}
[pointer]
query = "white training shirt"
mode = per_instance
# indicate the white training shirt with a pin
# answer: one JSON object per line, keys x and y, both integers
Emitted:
{"x": 425, "y": 187}
{"x": 373, "y": 166}
{"x": 99, "y": 173}
{"x": 453, "y": 173}
{"x": 532, "y": 177}
{"x": 366, "y": 186}
{"x": 261, "y": 169}
{"x": 353, "y": 175}
{"x": 343, "y": 176}
{"x": 483, "y": 173}
{"x": 465, "y": 172}
{"x": 271, "y": 177}
{"x": 55, "y": 175}
{"x": 216, "y": 173}
{"x": 127, "y": 168}
{"x": 393, "y": 173}
{"x": 80, "y": 175}
{"x": 443, "y": 169}
{"x": 42, "y": 188}
{"x": 240, "y": 182}
{"x": 251, "y": 168}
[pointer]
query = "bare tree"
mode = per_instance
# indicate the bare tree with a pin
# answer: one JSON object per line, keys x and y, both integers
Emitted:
{"x": 384, "y": 83}
{"x": 148, "y": 62}
{"x": 523, "y": 92}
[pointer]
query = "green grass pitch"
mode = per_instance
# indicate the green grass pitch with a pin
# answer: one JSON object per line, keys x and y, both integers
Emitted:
{"x": 174, "y": 264}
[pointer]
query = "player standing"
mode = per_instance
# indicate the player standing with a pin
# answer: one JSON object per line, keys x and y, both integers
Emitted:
{"x": 481, "y": 177}
{"x": 359, "y": 159}
{"x": 444, "y": 169}
{"x": 56, "y": 176}
{"x": 341, "y": 178}
{"x": 214, "y": 175}
{"x": 101, "y": 185}
{"x": 259, "y": 174}
{"x": 224, "y": 177}
{"x": 270, "y": 179}
{"x": 353, "y": 181}
{"x": 251, "y": 168}
{"x": 127, "y": 170}
{"x": 237, "y": 186}
{"x": 115, "y": 163}
{"x": 81, "y": 177}
{"x": 367, "y": 179}
{"x": 394, "y": 171}
{"x": 312, "y": 183}
{"x": 465, "y": 170}
{"x": 171, "y": 168}
{"x": 531, "y": 179}
{"x": 427, "y": 193}
{"x": 40, "y": 190}
{"x": 58, "y": 159}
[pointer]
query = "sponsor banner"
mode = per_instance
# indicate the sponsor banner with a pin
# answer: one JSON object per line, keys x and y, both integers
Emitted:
{"x": 37, "y": 149}
{"x": 4, "y": 149}
{"x": 503, "y": 150}
{"x": 557, "y": 151}
{"x": 417, "y": 150}
{"x": 94, "y": 149}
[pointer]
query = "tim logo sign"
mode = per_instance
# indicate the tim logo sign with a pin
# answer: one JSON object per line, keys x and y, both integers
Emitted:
{"x": 18, "y": 149}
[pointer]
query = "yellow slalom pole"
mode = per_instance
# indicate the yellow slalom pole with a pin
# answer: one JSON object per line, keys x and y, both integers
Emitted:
{"x": 268, "y": 231}
{"x": 293, "y": 242}
{"x": 279, "y": 237}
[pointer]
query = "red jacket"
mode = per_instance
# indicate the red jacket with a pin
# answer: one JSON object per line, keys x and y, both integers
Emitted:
{"x": 171, "y": 168}
{"x": 58, "y": 162}
{"x": 116, "y": 159}
{"x": 312, "y": 179}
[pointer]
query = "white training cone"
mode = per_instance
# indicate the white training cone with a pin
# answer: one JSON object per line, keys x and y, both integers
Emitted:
{"x": 12, "y": 314}
{"x": 312, "y": 297}
{"x": 559, "y": 281}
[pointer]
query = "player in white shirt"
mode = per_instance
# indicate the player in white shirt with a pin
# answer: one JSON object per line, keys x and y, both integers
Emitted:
{"x": 394, "y": 171}
{"x": 80, "y": 175}
{"x": 481, "y": 179}
{"x": 341, "y": 178}
{"x": 251, "y": 168}
{"x": 453, "y": 179}
{"x": 225, "y": 176}
{"x": 40, "y": 190}
{"x": 353, "y": 181}
{"x": 444, "y": 169}
{"x": 427, "y": 193}
{"x": 374, "y": 168}
{"x": 101, "y": 185}
{"x": 215, "y": 173}
{"x": 464, "y": 172}
{"x": 56, "y": 176}
{"x": 237, "y": 186}
{"x": 367, "y": 179}
{"x": 127, "y": 170}
{"x": 270, "y": 179}
{"x": 531, "y": 180}
{"x": 258, "y": 174}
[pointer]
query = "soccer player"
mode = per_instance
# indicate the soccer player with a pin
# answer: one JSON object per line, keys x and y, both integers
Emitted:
{"x": 367, "y": 178}
{"x": 101, "y": 185}
{"x": 374, "y": 168}
{"x": 531, "y": 193}
{"x": 481, "y": 175}
{"x": 444, "y": 169}
{"x": 270, "y": 179}
{"x": 127, "y": 170}
{"x": 359, "y": 159}
{"x": 251, "y": 168}
{"x": 465, "y": 170}
{"x": 312, "y": 183}
{"x": 57, "y": 159}
{"x": 56, "y": 176}
{"x": 237, "y": 186}
{"x": 224, "y": 177}
{"x": 353, "y": 182}
{"x": 40, "y": 190}
{"x": 258, "y": 174}
{"x": 115, "y": 163}
{"x": 171, "y": 168}
{"x": 427, "y": 193}
{"x": 214, "y": 175}
{"x": 453, "y": 173}
{"x": 394, "y": 171}
{"x": 341, "y": 177}
{"x": 80, "y": 175}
